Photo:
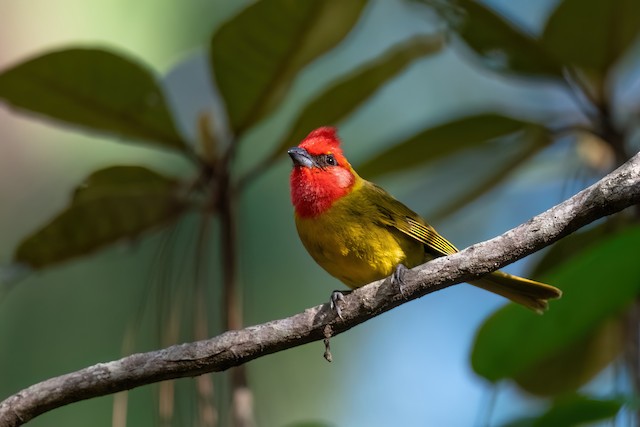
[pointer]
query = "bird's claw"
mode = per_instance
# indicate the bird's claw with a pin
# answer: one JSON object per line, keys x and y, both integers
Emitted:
{"x": 397, "y": 278}
{"x": 336, "y": 297}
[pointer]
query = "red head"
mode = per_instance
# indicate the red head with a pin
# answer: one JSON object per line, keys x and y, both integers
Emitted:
{"x": 321, "y": 174}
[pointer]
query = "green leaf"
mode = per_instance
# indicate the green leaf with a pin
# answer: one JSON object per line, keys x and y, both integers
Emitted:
{"x": 592, "y": 34}
{"x": 501, "y": 45}
{"x": 256, "y": 55}
{"x": 112, "y": 204}
{"x": 95, "y": 89}
{"x": 598, "y": 285}
{"x": 573, "y": 411}
{"x": 441, "y": 141}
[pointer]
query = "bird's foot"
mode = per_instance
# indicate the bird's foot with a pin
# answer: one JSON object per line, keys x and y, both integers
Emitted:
{"x": 335, "y": 299}
{"x": 397, "y": 278}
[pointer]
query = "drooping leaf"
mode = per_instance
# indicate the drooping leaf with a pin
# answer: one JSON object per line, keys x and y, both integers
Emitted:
{"x": 256, "y": 55}
{"x": 534, "y": 139}
{"x": 443, "y": 140}
{"x": 500, "y": 44}
{"x": 112, "y": 204}
{"x": 573, "y": 411}
{"x": 592, "y": 34}
{"x": 598, "y": 285}
{"x": 95, "y": 89}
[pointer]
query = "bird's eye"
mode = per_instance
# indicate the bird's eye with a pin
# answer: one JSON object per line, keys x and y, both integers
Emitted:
{"x": 330, "y": 160}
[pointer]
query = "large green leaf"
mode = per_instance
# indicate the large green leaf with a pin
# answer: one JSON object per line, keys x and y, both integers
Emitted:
{"x": 573, "y": 411}
{"x": 256, "y": 55}
{"x": 95, "y": 89}
{"x": 592, "y": 34}
{"x": 443, "y": 140}
{"x": 598, "y": 285}
{"x": 112, "y": 204}
{"x": 501, "y": 45}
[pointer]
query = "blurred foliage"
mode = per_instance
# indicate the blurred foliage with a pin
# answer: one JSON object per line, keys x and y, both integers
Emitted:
{"x": 572, "y": 411}
{"x": 255, "y": 65}
{"x": 500, "y": 44}
{"x": 550, "y": 360}
{"x": 96, "y": 90}
{"x": 613, "y": 27}
{"x": 445, "y": 140}
{"x": 337, "y": 102}
{"x": 111, "y": 204}
{"x": 256, "y": 56}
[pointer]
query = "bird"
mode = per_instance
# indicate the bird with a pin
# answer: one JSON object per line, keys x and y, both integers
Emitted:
{"x": 359, "y": 233}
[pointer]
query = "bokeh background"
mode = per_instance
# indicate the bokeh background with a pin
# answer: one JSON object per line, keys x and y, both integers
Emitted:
{"x": 407, "y": 367}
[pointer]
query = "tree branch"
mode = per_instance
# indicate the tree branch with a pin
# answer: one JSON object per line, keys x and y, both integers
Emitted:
{"x": 616, "y": 191}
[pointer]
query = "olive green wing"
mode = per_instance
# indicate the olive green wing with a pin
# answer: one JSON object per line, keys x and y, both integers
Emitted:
{"x": 393, "y": 213}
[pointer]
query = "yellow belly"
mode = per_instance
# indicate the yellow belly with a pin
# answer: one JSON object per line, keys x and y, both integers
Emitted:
{"x": 354, "y": 250}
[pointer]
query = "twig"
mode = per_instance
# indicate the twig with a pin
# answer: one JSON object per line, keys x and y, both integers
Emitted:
{"x": 616, "y": 191}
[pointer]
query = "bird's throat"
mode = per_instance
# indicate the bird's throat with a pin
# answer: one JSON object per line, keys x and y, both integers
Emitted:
{"x": 314, "y": 190}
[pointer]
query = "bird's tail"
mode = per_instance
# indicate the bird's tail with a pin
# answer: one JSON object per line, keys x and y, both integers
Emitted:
{"x": 531, "y": 294}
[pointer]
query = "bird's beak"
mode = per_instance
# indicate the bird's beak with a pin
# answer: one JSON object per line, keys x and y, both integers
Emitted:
{"x": 301, "y": 157}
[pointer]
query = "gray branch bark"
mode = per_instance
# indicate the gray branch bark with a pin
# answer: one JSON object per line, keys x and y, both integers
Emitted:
{"x": 616, "y": 191}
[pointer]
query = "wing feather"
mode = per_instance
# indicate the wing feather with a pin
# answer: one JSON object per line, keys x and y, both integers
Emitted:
{"x": 394, "y": 214}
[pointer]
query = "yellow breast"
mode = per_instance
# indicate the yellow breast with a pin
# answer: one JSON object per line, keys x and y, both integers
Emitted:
{"x": 353, "y": 248}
